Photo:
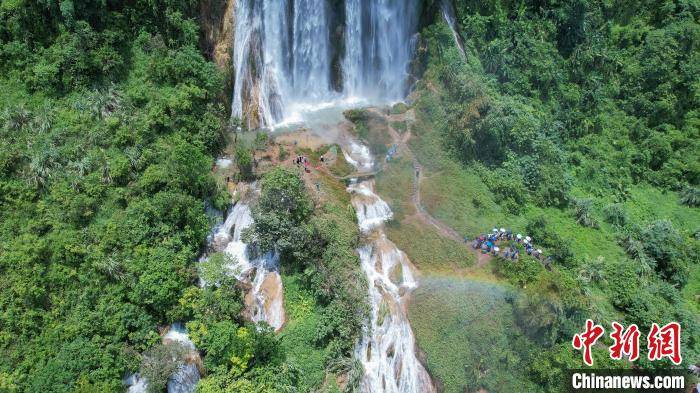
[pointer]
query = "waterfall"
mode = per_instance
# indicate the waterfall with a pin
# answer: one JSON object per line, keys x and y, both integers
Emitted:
{"x": 448, "y": 13}
{"x": 265, "y": 297}
{"x": 283, "y": 56}
{"x": 379, "y": 46}
{"x": 185, "y": 379}
{"x": 387, "y": 347}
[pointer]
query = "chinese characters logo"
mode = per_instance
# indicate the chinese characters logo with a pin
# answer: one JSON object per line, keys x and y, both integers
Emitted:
{"x": 662, "y": 342}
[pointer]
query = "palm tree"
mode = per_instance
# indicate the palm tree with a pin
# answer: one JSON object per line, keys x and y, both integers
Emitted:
{"x": 111, "y": 267}
{"x": 41, "y": 165}
{"x": 593, "y": 271}
{"x": 43, "y": 120}
{"x": 691, "y": 197}
{"x": 17, "y": 117}
{"x": 104, "y": 104}
{"x": 582, "y": 212}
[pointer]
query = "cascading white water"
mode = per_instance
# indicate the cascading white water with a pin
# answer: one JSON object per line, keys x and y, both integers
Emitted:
{"x": 448, "y": 13}
{"x": 261, "y": 273}
{"x": 187, "y": 376}
{"x": 371, "y": 210}
{"x": 387, "y": 348}
{"x": 358, "y": 155}
{"x": 185, "y": 379}
{"x": 379, "y": 45}
{"x": 283, "y": 56}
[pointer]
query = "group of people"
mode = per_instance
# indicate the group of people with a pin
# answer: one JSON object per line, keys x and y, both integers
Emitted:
{"x": 487, "y": 244}
{"x": 302, "y": 160}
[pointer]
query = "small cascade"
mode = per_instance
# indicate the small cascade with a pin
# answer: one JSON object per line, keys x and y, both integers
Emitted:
{"x": 136, "y": 384}
{"x": 266, "y": 295}
{"x": 371, "y": 210}
{"x": 448, "y": 13}
{"x": 185, "y": 378}
{"x": 387, "y": 349}
{"x": 359, "y": 156}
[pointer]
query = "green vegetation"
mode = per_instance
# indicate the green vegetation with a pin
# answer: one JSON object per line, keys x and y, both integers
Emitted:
{"x": 108, "y": 121}
{"x": 472, "y": 326}
{"x": 326, "y": 294}
{"x": 575, "y": 122}
{"x": 585, "y": 139}
{"x": 109, "y": 118}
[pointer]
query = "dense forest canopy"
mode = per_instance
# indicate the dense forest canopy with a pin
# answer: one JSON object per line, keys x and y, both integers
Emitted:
{"x": 569, "y": 112}
{"x": 110, "y": 116}
{"x": 109, "y": 119}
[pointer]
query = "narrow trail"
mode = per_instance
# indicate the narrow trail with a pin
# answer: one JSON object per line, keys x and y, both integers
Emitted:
{"x": 421, "y": 212}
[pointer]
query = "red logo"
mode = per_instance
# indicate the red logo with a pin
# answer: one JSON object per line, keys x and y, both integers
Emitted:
{"x": 662, "y": 342}
{"x": 626, "y": 342}
{"x": 665, "y": 342}
{"x": 586, "y": 339}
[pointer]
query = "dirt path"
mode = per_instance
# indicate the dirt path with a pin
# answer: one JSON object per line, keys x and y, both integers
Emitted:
{"x": 421, "y": 213}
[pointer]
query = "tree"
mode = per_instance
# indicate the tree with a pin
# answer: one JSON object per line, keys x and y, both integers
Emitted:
{"x": 160, "y": 363}
{"x": 215, "y": 268}
{"x": 281, "y": 215}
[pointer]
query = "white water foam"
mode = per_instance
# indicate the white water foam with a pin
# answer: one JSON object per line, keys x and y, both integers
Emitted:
{"x": 262, "y": 272}
{"x": 185, "y": 379}
{"x": 283, "y": 57}
{"x": 387, "y": 348}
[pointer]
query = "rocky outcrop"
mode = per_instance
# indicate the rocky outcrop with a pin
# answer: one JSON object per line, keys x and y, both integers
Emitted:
{"x": 217, "y": 22}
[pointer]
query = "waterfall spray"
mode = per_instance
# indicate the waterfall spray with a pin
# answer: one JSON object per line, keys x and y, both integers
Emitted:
{"x": 283, "y": 64}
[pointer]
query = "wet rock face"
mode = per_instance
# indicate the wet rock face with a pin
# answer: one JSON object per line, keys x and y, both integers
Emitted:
{"x": 217, "y": 22}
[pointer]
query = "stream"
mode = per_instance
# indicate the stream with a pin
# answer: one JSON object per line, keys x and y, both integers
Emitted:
{"x": 387, "y": 349}
{"x": 260, "y": 275}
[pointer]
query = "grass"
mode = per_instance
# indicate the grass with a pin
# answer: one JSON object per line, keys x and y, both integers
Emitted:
{"x": 395, "y": 185}
{"x": 425, "y": 247}
{"x": 460, "y": 199}
{"x": 691, "y": 291}
{"x": 648, "y": 203}
{"x": 585, "y": 242}
{"x": 467, "y": 331}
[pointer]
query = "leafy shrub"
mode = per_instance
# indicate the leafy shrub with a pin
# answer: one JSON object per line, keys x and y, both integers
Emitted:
{"x": 399, "y": 108}
{"x": 244, "y": 161}
{"x": 261, "y": 139}
{"x": 616, "y": 214}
